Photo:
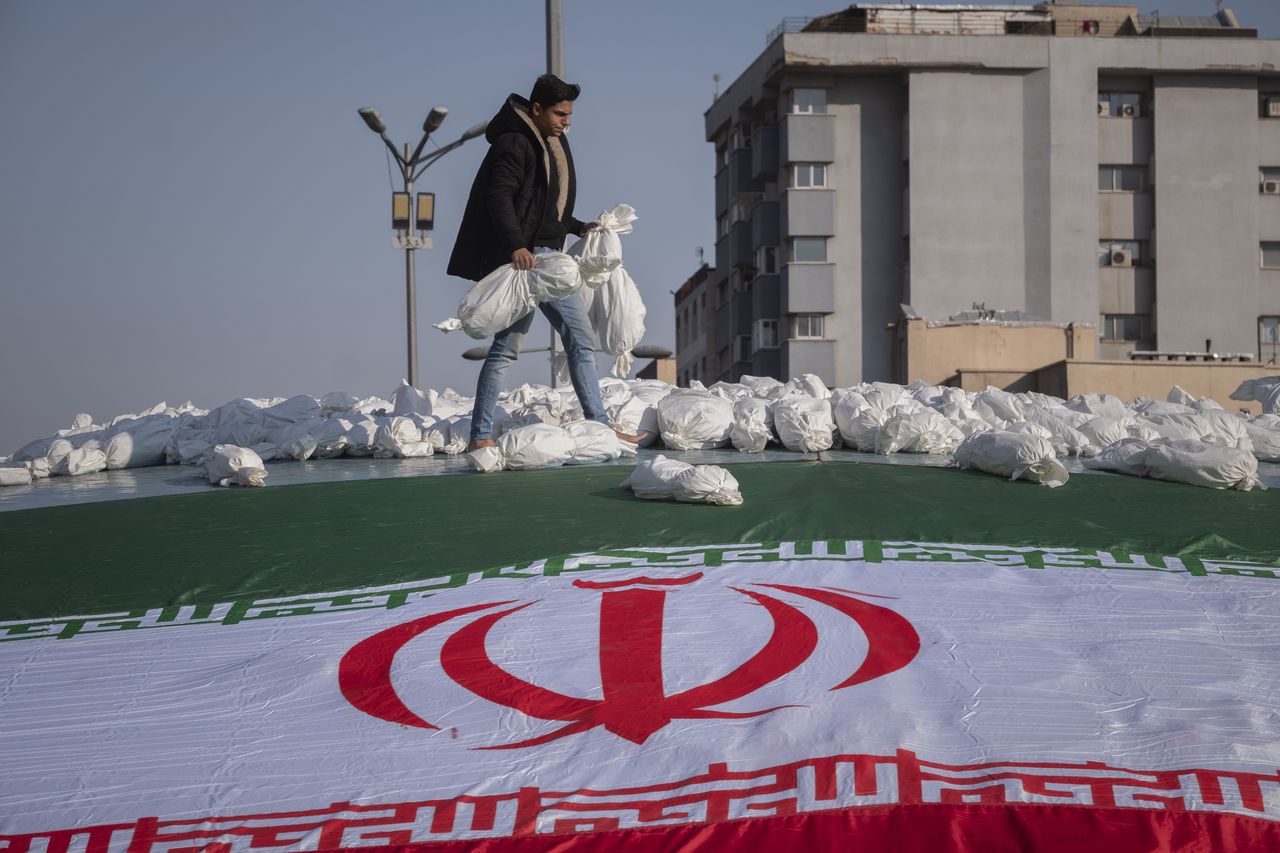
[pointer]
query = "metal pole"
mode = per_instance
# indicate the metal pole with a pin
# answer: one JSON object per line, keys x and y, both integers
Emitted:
{"x": 555, "y": 65}
{"x": 555, "y": 39}
{"x": 410, "y": 296}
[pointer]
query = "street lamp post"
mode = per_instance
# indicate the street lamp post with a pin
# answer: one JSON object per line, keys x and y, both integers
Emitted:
{"x": 413, "y": 222}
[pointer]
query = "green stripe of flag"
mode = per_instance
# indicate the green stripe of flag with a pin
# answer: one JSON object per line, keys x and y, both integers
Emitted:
{"x": 240, "y": 545}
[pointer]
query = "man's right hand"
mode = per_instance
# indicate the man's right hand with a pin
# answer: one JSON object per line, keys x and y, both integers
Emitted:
{"x": 522, "y": 259}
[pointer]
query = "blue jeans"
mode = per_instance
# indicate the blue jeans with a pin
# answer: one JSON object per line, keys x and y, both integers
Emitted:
{"x": 568, "y": 316}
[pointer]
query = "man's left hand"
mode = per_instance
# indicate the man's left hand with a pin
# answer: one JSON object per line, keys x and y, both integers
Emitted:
{"x": 588, "y": 226}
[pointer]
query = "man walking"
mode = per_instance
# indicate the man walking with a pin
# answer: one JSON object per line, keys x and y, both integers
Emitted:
{"x": 521, "y": 202}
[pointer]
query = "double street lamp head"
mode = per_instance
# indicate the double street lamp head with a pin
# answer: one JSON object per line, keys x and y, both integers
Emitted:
{"x": 435, "y": 118}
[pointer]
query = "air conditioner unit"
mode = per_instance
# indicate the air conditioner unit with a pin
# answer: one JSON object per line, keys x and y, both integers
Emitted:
{"x": 1121, "y": 258}
{"x": 1104, "y": 108}
{"x": 1273, "y": 107}
{"x": 1271, "y": 187}
{"x": 1128, "y": 111}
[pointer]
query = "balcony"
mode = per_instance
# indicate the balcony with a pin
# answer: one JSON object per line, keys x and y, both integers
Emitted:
{"x": 724, "y": 326}
{"x": 1125, "y": 140}
{"x": 741, "y": 249}
{"x": 766, "y": 297}
{"x": 742, "y": 316}
{"x": 765, "y": 224}
{"x": 741, "y": 179}
{"x": 817, "y": 357}
{"x": 810, "y": 213}
{"x": 809, "y": 138}
{"x": 808, "y": 288}
{"x": 723, "y": 198}
{"x": 764, "y": 153}
{"x": 1126, "y": 216}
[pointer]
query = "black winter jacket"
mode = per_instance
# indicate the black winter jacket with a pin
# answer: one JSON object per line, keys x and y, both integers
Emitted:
{"x": 509, "y": 195}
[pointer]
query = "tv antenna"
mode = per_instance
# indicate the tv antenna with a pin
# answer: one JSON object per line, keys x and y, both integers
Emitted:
{"x": 715, "y": 78}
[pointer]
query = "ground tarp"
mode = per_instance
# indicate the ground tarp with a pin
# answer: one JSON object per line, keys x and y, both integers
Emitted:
{"x": 394, "y": 662}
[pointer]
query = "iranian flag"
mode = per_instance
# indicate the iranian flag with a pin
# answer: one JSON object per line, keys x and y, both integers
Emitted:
{"x": 791, "y": 694}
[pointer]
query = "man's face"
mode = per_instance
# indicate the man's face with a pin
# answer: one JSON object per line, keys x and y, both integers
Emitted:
{"x": 553, "y": 120}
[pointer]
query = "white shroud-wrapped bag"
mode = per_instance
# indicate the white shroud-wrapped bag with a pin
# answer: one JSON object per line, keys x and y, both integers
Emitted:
{"x": 507, "y": 294}
{"x": 611, "y": 297}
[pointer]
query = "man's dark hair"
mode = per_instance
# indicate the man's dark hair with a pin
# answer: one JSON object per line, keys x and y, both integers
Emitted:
{"x": 550, "y": 89}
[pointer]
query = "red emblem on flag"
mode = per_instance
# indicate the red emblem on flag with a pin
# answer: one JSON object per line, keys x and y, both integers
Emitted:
{"x": 635, "y": 703}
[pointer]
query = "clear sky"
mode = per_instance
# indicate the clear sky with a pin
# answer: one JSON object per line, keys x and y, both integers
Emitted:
{"x": 190, "y": 207}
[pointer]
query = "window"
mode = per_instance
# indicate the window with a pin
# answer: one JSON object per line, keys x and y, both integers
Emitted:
{"x": 722, "y": 226}
{"x": 1269, "y": 340}
{"x": 1125, "y": 327}
{"x": 807, "y": 250}
{"x": 1269, "y": 105}
{"x": 806, "y": 327}
{"x": 1122, "y": 253}
{"x": 1271, "y": 256}
{"x": 765, "y": 334}
{"x": 808, "y": 100}
{"x": 1122, "y": 179}
{"x": 1121, "y": 105}
{"x": 808, "y": 175}
{"x": 722, "y": 157}
{"x": 740, "y": 137}
{"x": 742, "y": 348}
{"x": 722, "y": 292}
{"x": 767, "y": 260}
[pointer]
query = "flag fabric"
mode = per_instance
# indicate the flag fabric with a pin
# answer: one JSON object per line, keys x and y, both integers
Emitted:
{"x": 716, "y": 694}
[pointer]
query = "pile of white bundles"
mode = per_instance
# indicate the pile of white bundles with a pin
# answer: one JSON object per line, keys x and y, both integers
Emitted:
{"x": 661, "y": 478}
{"x": 1030, "y": 433}
{"x": 592, "y": 268}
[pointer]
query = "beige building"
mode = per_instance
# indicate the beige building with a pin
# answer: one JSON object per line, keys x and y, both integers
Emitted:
{"x": 977, "y": 349}
{"x": 1084, "y": 165}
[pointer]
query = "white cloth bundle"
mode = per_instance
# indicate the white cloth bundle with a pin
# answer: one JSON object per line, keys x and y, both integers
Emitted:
{"x": 694, "y": 420}
{"x": 139, "y": 442}
{"x": 1190, "y": 461}
{"x": 1265, "y": 391}
{"x": 661, "y": 478}
{"x": 804, "y": 424}
{"x": 918, "y": 432}
{"x": 507, "y": 294}
{"x": 235, "y": 466}
{"x": 1015, "y": 455}
{"x": 15, "y": 475}
{"x": 596, "y": 442}
{"x": 750, "y": 432}
{"x": 617, "y": 315}
{"x": 599, "y": 252}
{"x": 611, "y": 297}
{"x": 536, "y": 446}
{"x": 400, "y": 438}
{"x": 1265, "y": 440}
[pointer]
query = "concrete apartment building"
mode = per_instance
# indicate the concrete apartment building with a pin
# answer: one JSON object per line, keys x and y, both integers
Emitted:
{"x": 1076, "y": 164}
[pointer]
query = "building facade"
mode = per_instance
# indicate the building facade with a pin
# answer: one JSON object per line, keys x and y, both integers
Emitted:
{"x": 1078, "y": 163}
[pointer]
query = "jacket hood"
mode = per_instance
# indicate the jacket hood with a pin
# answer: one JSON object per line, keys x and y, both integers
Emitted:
{"x": 513, "y": 117}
